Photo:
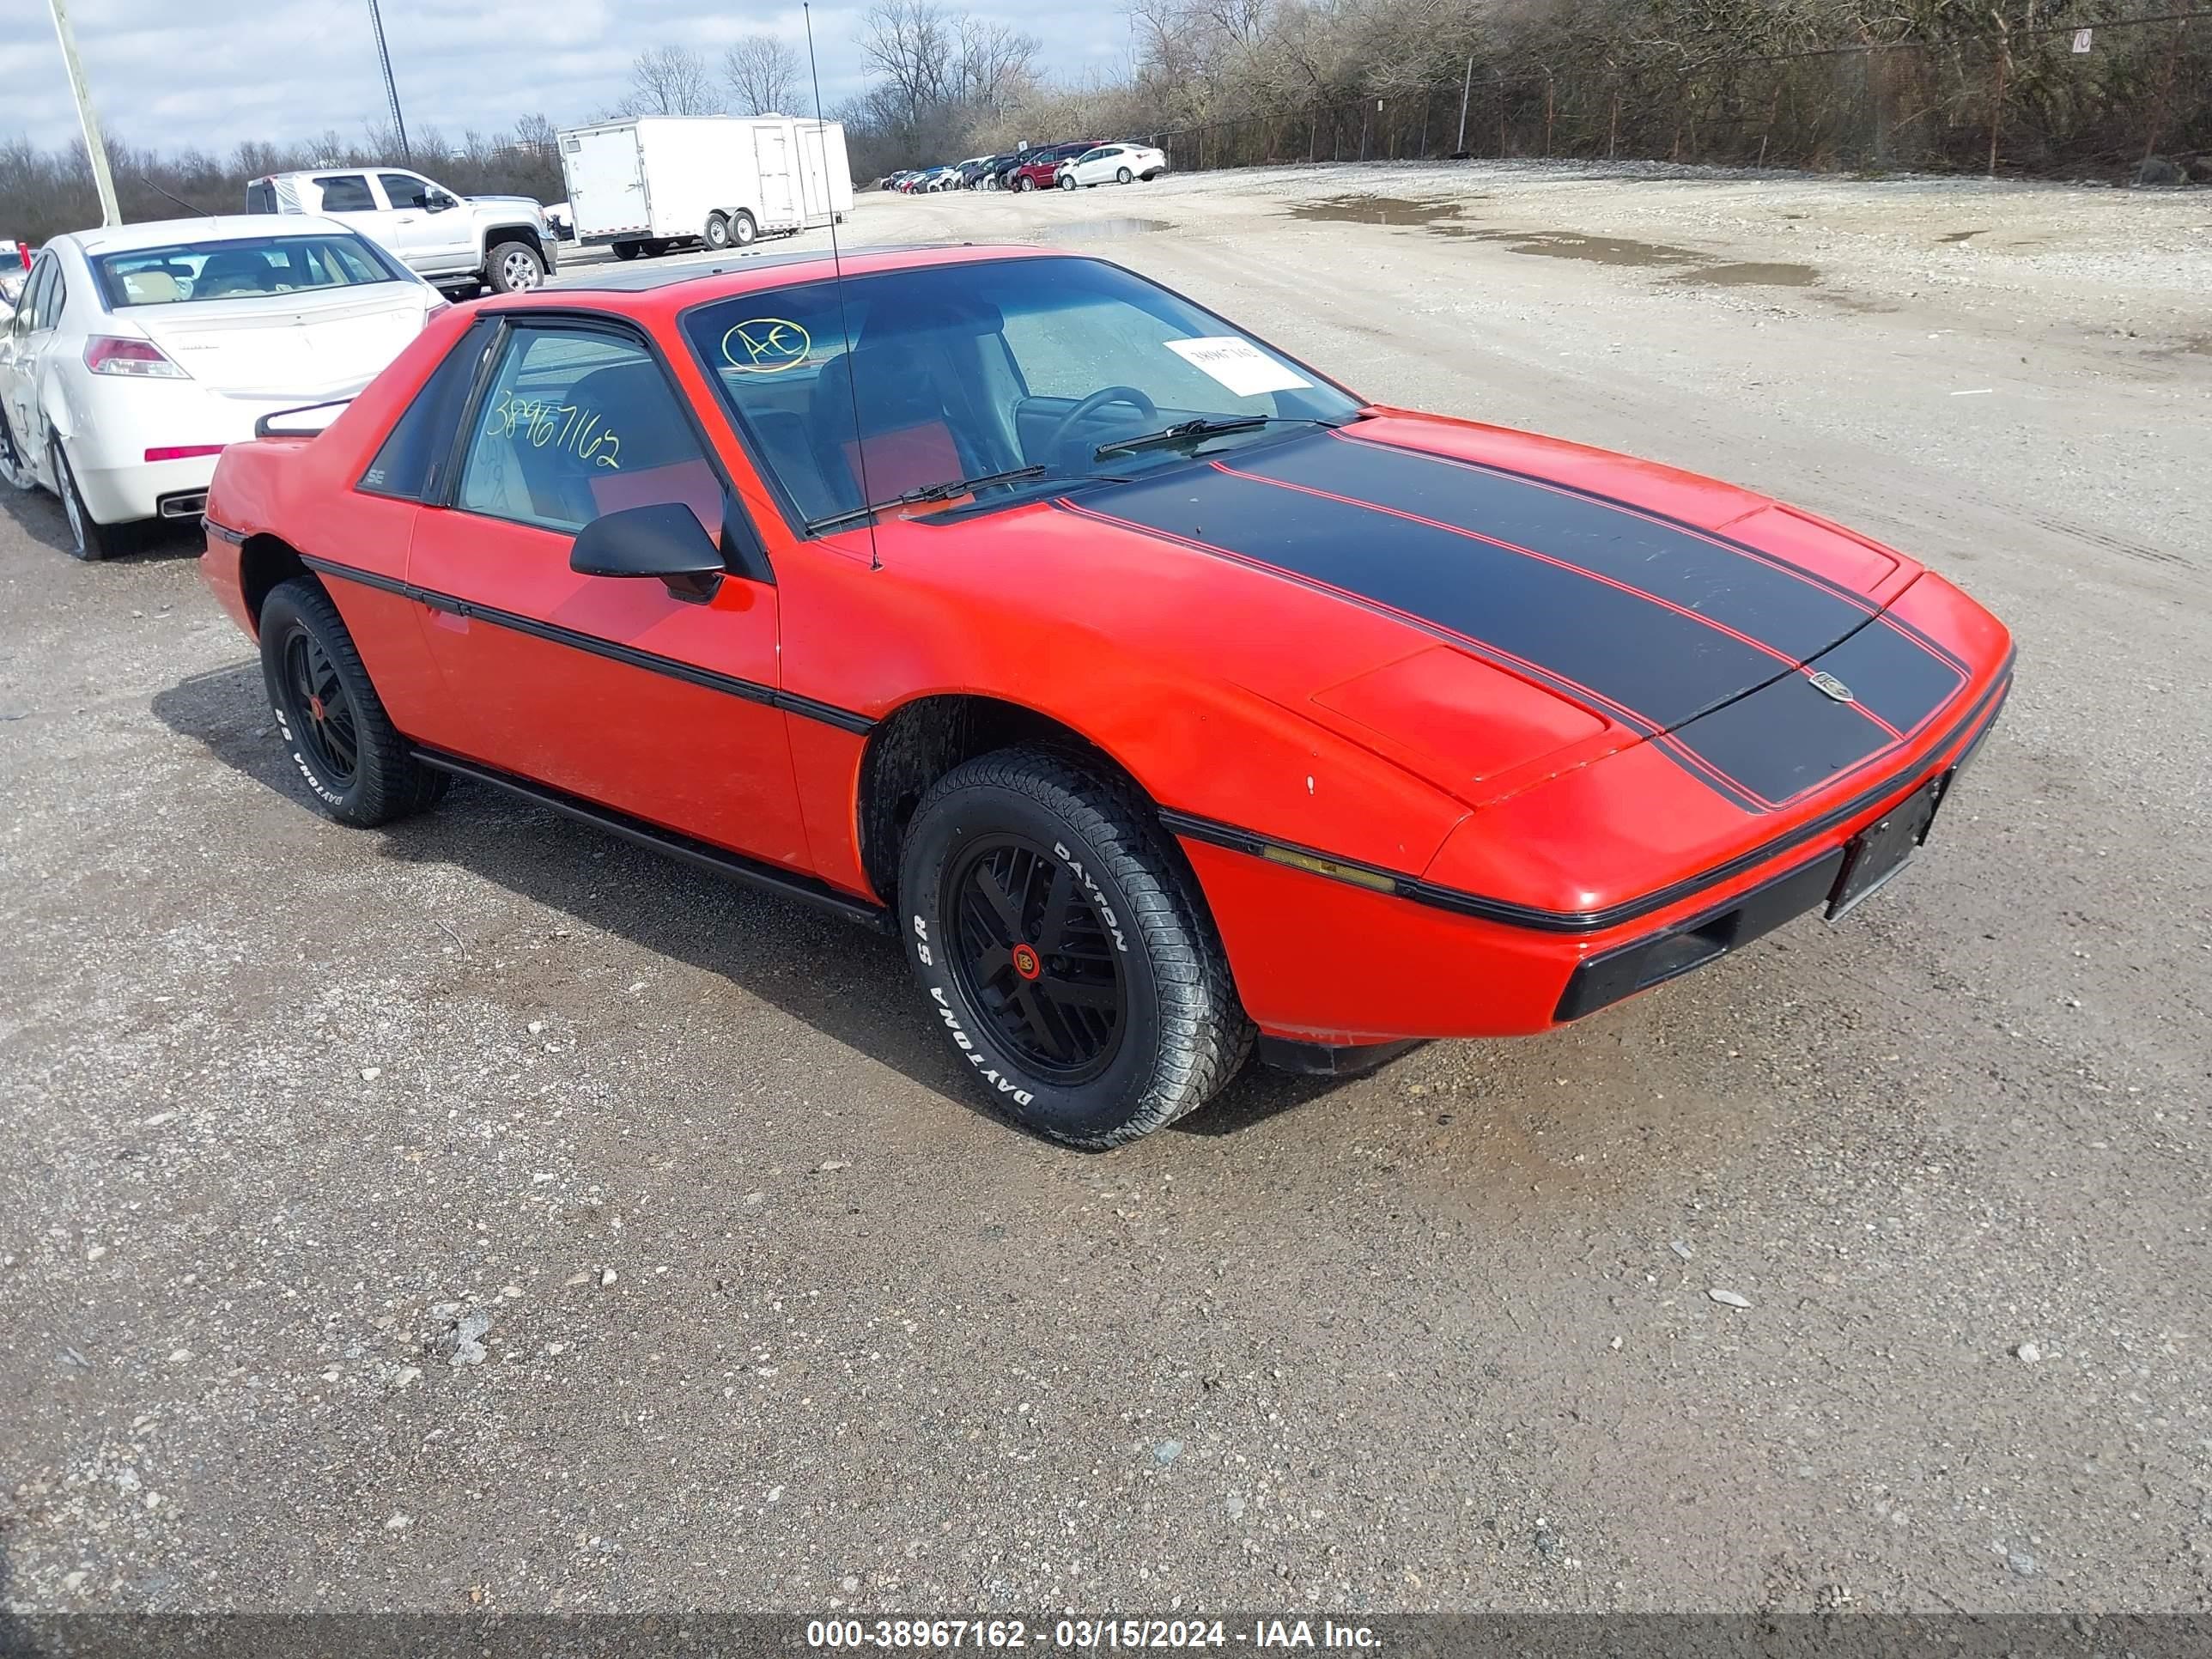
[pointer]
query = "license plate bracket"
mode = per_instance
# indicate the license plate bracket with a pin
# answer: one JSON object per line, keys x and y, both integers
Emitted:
{"x": 1878, "y": 855}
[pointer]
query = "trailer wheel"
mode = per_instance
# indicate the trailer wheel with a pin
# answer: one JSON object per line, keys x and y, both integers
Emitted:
{"x": 743, "y": 231}
{"x": 717, "y": 231}
{"x": 626, "y": 250}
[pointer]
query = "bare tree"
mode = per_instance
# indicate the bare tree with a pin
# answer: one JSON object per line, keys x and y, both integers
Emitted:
{"x": 535, "y": 133}
{"x": 761, "y": 74}
{"x": 909, "y": 43}
{"x": 670, "y": 80}
{"x": 997, "y": 63}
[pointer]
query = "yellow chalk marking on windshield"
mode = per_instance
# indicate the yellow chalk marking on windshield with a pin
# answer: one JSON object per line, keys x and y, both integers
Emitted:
{"x": 766, "y": 345}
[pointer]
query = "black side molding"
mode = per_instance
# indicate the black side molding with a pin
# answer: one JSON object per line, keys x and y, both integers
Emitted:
{"x": 735, "y": 866}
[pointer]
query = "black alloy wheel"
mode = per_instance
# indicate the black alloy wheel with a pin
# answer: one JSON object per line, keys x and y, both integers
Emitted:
{"x": 341, "y": 743}
{"x": 1065, "y": 948}
{"x": 326, "y": 724}
{"x": 1034, "y": 955}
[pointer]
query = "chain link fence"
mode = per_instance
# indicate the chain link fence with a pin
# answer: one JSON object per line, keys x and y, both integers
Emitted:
{"x": 2098, "y": 102}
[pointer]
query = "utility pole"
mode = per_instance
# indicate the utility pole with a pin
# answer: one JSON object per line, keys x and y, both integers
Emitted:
{"x": 1465, "y": 91}
{"x": 94, "y": 146}
{"x": 391, "y": 86}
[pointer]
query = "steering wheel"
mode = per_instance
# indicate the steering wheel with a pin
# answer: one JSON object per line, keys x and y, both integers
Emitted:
{"x": 1090, "y": 405}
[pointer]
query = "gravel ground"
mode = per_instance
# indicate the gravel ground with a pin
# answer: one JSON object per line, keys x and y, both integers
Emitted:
{"x": 482, "y": 1213}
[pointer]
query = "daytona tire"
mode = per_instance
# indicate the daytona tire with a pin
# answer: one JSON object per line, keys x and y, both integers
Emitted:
{"x": 342, "y": 741}
{"x": 1064, "y": 952}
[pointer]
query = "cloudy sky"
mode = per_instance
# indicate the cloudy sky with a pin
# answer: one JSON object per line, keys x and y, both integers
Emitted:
{"x": 171, "y": 74}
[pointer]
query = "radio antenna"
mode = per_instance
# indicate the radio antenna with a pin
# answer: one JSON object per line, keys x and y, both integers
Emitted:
{"x": 837, "y": 268}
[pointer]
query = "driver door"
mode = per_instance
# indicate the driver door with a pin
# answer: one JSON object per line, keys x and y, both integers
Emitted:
{"x": 442, "y": 236}
{"x": 615, "y": 689}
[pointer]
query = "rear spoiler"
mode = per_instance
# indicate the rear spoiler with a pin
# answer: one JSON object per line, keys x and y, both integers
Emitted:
{"x": 266, "y": 426}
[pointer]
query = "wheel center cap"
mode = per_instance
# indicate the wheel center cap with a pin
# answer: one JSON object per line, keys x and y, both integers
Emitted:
{"x": 1025, "y": 961}
{"x": 315, "y": 709}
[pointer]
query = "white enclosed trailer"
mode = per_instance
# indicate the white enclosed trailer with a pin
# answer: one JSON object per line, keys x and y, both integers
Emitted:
{"x": 659, "y": 182}
{"x": 825, "y": 177}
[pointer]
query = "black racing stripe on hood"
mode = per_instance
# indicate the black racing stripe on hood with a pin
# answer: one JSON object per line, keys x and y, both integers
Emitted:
{"x": 1894, "y": 676}
{"x": 1631, "y": 652}
{"x": 1777, "y": 607}
{"x": 1785, "y": 738}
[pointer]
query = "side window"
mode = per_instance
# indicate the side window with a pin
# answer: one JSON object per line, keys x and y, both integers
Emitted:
{"x": 346, "y": 192}
{"x": 411, "y": 464}
{"x": 42, "y": 300}
{"x": 261, "y": 197}
{"x": 576, "y": 423}
{"x": 404, "y": 190}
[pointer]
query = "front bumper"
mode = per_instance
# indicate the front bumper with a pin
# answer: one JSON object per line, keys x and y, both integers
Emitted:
{"x": 1355, "y": 958}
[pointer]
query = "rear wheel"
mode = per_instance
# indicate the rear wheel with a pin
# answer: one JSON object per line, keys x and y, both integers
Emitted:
{"x": 344, "y": 744}
{"x": 743, "y": 231}
{"x": 89, "y": 539}
{"x": 1122, "y": 175}
{"x": 1064, "y": 951}
{"x": 514, "y": 268}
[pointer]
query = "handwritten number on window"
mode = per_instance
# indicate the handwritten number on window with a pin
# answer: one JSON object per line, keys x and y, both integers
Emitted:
{"x": 547, "y": 425}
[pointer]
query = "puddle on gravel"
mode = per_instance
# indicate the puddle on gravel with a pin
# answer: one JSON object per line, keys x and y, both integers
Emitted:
{"x": 1376, "y": 210}
{"x": 1750, "y": 274}
{"x": 1443, "y": 219}
{"x": 1101, "y": 230}
{"x": 1598, "y": 250}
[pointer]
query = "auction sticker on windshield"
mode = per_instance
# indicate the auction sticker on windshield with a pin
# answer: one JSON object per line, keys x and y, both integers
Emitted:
{"x": 1239, "y": 364}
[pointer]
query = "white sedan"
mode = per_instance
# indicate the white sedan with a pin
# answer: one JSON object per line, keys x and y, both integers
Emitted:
{"x": 137, "y": 352}
{"x": 1112, "y": 164}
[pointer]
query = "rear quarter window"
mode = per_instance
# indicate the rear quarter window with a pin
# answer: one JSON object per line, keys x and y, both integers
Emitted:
{"x": 412, "y": 464}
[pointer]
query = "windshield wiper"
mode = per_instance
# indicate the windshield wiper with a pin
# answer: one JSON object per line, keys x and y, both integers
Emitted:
{"x": 1205, "y": 426}
{"x": 950, "y": 489}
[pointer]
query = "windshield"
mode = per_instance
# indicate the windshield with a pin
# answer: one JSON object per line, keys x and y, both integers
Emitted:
{"x": 970, "y": 370}
{"x": 240, "y": 269}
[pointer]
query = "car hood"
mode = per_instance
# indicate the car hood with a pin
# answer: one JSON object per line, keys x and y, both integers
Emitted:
{"x": 527, "y": 203}
{"x": 1559, "y": 605}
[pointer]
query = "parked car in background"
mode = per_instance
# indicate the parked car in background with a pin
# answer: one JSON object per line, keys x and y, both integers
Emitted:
{"x": 139, "y": 351}
{"x": 11, "y": 290}
{"x": 1112, "y": 164}
{"x": 1040, "y": 168}
{"x": 458, "y": 243}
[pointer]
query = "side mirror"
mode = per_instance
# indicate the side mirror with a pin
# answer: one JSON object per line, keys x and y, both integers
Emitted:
{"x": 664, "y": 540}
{"x": 437, "y": 202}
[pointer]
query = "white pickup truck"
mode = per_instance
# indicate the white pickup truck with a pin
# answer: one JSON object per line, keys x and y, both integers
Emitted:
{"x": 452, "y": 242}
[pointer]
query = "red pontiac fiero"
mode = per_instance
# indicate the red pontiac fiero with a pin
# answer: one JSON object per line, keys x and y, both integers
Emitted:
{"x": 1161, "y": 695}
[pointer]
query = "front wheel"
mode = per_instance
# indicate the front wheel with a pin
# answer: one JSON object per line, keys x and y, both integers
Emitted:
{"x": 1064, "y": 951}
{"x": 1067, "y": 181}
{"x": 328, "y": 713}
{"x": 1028, "y": 184}
{"x": 14, "y": 463}
{"x": 513, "y": 268}
{"x": 628, "y": 250}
